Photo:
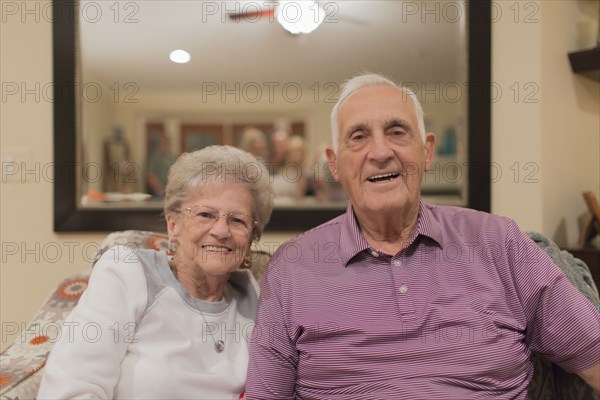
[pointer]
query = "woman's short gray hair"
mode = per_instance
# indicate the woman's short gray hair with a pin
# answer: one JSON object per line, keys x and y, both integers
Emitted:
{"x": 369, "y": 79}
{"x": 219, "y": 165}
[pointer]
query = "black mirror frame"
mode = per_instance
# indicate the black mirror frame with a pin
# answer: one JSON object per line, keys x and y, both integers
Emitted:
{"x": 69, "y": 218}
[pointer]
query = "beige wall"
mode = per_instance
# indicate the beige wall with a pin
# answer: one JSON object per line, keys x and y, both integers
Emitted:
{"x": 559, "y": 134}
{"x": 570, "y": 120}
{"x": 516, "y": 122}
{"x": 549, "y": 130}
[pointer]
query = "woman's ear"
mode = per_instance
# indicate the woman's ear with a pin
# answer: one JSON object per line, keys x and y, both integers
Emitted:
{"x": 247, "y": 261}
{"x": 173, "y": 226}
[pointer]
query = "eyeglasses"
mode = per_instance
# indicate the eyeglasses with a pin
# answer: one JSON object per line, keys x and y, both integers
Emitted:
{"x": 208, "y": 216}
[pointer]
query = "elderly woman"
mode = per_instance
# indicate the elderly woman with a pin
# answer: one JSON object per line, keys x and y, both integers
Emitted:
{"x": 152, "y": 325}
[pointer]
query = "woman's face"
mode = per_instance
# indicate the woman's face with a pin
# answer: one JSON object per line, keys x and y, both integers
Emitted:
{"x": 205, "y": 237}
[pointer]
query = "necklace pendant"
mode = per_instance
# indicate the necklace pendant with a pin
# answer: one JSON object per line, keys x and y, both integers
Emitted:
{"x": 219, "y": 346}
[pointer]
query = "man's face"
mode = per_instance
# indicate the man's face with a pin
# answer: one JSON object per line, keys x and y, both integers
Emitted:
{"x": 381, "y": 156}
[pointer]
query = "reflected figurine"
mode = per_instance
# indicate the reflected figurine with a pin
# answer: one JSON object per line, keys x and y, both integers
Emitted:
{"x": 159, "y": 162}
{"x": 117, "y": 163}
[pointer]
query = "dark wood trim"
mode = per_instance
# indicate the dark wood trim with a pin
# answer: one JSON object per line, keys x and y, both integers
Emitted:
{"x": 479, "y": 119}
{"x": 68, "y": 218}
{"x": 586, "y": 62}
{"x": 63, "y": 47}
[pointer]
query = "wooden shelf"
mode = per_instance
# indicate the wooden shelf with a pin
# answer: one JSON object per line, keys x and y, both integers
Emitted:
{"x": 586, "y": 62}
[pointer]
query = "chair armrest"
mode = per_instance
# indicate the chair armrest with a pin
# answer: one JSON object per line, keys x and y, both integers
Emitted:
{"x": 565, "y": 385}
{"x": 22, "y": 361}
{"x": 574, "y": 269}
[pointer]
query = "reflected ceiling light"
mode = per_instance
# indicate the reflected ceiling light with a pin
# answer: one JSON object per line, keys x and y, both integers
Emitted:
{"x": 180, "y": 56}
{"x": 300, "y": 16}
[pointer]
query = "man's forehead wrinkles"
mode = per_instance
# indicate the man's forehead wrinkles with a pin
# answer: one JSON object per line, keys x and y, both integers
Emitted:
{"x": 396, "y": 122}
{"x": 383, "y": 121}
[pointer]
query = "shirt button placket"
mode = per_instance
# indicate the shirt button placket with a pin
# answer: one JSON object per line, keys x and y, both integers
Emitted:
{"x": 403, "y": 295}
{"x": 403, "y": 289}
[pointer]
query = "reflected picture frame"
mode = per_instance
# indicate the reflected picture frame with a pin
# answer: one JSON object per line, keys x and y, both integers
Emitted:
{"x": 197, "y": 136}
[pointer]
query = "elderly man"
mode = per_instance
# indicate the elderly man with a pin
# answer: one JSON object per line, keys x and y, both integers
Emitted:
{"x": 402, "y": 299}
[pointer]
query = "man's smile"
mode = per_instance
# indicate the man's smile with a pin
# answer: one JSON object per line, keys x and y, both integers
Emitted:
{"x": 383, "y": 177}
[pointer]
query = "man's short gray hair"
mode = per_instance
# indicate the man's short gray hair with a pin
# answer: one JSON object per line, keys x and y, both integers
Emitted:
{"x": 369, "y": 79}
{"x": 220, "y": 165}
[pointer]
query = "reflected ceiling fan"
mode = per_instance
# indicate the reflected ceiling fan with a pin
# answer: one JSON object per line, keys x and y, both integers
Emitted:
{"x": 295, "y": 16}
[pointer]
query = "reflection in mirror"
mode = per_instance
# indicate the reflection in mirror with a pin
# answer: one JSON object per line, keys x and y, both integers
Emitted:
{"x": 125, "y": 100}
{"x": 252, "y": 84}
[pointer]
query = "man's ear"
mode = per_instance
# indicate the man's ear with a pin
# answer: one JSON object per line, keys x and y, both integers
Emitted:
{"x": 429, "y": 150}
{"x": 331, "y": 162}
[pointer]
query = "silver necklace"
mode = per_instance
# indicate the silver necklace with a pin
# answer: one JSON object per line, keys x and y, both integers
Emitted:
{"x": 219, "y": 344}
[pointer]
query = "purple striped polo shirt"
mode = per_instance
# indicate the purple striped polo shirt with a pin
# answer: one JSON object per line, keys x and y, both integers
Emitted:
{"x": 454, "y": 315}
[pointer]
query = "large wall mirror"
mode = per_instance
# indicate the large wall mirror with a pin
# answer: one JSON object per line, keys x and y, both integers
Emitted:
{"x": 124, "y": 110}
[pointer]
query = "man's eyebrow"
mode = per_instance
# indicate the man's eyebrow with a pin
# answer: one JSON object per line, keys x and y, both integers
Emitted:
{"x": 356, "y": 127}
{"x": 398, "y": 122}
